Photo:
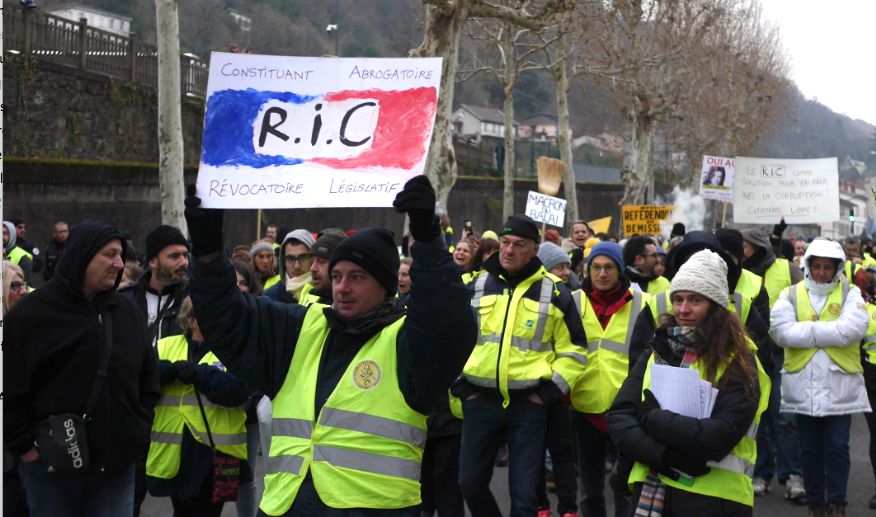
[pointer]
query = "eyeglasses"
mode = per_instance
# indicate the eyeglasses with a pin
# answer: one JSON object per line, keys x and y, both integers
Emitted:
{"x": 16, "y": 286}
{"x": 598, "y": 269}
{"x": 291, "y": 259}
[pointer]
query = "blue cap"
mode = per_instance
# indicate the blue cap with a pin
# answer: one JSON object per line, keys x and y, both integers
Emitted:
{"x": 611, "y": 250}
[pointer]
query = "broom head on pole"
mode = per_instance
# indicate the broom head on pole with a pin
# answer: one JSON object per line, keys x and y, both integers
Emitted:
{"x": 550, "y": 175}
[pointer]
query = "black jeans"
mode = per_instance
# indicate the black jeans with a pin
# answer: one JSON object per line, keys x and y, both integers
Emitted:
{"x": 559, "y": 442}
{"x": 440, "y": 477}
{"x": 870, "y": 384}
{"x": 591, "y": 447}
{"x": 199, "y": 506}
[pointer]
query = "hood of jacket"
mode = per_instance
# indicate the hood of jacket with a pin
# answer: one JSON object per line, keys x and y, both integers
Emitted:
{"x": 763, "y": 258}
{"x": 700, "y": 240}
{"x": 84, "y": 242}
{"x": 823, "y": 248}
{"x": 12, "y": 237}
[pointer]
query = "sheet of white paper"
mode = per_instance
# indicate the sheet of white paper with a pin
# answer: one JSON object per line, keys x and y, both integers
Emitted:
{"x": 677, "y": 389}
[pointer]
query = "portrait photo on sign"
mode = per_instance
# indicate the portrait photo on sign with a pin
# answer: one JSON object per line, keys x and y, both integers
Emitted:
{"x": 716, "y": 181}
{"x": 715, "y": 176}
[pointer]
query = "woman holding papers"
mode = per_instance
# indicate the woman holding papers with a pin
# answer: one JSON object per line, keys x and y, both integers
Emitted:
{"x": 695, "y": 456}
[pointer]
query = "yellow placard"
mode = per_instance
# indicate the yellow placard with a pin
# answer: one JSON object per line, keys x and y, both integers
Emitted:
{"x": 644, "y": 218}
{"x": 600, "y": 225}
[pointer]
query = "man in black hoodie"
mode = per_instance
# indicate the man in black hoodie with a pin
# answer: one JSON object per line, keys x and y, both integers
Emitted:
{"x": 53, "y": 343}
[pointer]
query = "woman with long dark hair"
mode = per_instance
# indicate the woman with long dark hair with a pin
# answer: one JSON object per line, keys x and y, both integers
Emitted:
{"x": 683, "y": 465}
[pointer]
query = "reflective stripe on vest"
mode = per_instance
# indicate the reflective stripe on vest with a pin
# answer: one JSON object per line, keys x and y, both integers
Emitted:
{"x": 848, "y": 357}
{"x": 730, "y": 478}
{"x": 365, "y": 447}
{"x": 776, "y": 279}
{"x": 513, "y": 327}
{"x": 178, "y": 408}
{"x": 869, "y": 341}
{"x": 608, "y": 351}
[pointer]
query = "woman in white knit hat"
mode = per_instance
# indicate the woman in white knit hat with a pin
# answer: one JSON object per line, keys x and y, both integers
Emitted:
{"x": 687, "y": 466}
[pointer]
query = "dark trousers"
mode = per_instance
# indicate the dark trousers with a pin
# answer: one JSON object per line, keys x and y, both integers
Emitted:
{"x": 559, "y": 441}
{"x": 139, "y": 485}
{"x": 591, "y": 447}
{"x": 440, "y": 477}
{"x": 824, "y": 451}
{"x": 777, "y": 430}
{"x": 870, "y": 384}
{"x": 523, "y": 424}
{"x": 101, "y": 496}
{"x": 199, "y": 506}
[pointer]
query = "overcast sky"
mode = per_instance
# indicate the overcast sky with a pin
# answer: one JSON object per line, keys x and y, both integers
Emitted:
{"x": 833, "y": 51}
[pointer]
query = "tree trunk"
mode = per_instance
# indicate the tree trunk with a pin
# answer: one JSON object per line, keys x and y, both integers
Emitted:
{"x": 508, "y": 105}
{"x": 562, "y": 84}
{"x": 443, "y": 29}
{"x": 636, "y": 177}
{"x": 170, "y": 138}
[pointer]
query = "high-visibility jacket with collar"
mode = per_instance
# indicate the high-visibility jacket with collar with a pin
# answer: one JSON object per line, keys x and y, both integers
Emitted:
{"x": 731, "y": 477}
{"x": 308, "y": 298}
{"x": 524, "y": 338}
{"x": 869, "y": 341}
{"x": 739, "y": 303}
{"x": 658, "y": 285}
{"x": 848, "y": 357}
{"x": 608, "y": 352}
{"x": 17, "y": 254}
{"x": 364, "y": 448}
{"x": 178, "y": 408}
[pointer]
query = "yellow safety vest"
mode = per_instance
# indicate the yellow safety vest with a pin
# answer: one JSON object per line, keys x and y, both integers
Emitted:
{"x": 455, "y": 405}
{"x": 275, "y": 245}
{"x": 307, "y": 298}
{"x": 178, "y": 408}
{"x": 740, "y": 304}
{"x": 515, "y": 344}
{"x": 16, "y": 255}
{"x": 869, "y": 341}
{"x": 271, "y": 281}
{"x": 731, "y": 477}
{"x": 851, "y": 269}
{"x": 608, "y": 353}
{"x": 658, "y": 285}
{"x": 365, "y": 447}
{"x": 777, "y": 278}
{"x": 848, "y": 357}
{"x": 749, "y": 284}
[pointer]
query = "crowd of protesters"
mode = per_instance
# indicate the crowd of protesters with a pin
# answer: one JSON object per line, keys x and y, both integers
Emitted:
{"x": 376, "y": 377}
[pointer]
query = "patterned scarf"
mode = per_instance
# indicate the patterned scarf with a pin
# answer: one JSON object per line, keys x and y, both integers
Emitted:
{"x": 653, "y": 495}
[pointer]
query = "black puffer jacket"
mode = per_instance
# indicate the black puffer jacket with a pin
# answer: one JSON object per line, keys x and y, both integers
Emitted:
{"x": 708, "y": 439}
{"x": 53, "y": 342}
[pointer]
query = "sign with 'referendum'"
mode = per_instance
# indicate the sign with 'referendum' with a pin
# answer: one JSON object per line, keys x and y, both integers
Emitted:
{"x": 801, "y": 191}
{"x": 302, "y": 132}
{"x": 546, "y": 209}
{"x": 644, "y": 218}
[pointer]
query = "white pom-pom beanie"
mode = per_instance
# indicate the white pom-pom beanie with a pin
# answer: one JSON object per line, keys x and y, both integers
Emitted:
{"x": 705, "y": 273}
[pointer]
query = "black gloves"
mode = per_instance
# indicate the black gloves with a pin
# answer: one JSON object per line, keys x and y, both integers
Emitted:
{"x": 675, "y": 459}
{"x": 647, "y": 407}
{"x": 779, "y": 229}
{"x": 205, "y": 224}
{"x": 417, "y": 199}
{"x": 184, "y": 371}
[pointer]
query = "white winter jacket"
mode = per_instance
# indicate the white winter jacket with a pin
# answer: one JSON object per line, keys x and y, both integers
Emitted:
{"x": 821, "y": 388}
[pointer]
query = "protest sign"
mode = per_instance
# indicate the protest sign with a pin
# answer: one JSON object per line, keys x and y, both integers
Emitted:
{"x": 644, "y": 218}
{"x": 546, "y": 209}
{"x": 801, "y": 191}
{"x": 301, "y": 132}
{"x": 600, "y": 225}
{"x": 717, "y": 178}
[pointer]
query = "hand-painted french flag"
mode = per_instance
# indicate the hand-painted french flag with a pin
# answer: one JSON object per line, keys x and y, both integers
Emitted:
{"x": 368, "y": 129}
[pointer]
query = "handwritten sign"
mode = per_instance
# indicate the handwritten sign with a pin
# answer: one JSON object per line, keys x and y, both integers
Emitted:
{"x": 546, "y": 209}
{"x": 801, "y": 191}
{"x": 716, "y": 181}
{"x": 302, "y": 132}
{"x": 644, "y": 218}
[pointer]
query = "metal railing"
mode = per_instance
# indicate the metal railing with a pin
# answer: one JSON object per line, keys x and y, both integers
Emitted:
{"x": 51, "y": 38}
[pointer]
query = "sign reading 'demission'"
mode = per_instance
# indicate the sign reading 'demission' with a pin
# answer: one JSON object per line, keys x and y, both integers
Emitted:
{"x": 801, "y": 191}
{"x": 644, "y": 218}
{"x": 301, "y": 132}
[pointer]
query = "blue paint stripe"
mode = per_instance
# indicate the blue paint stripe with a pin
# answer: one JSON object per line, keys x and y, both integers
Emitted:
{"x": 228, "y": 126}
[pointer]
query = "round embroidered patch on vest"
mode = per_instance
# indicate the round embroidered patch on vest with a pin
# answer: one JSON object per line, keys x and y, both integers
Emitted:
{"x": 834, "y": 309}
{"x": 367, "y": 375}
{"x": 873, "y": 316}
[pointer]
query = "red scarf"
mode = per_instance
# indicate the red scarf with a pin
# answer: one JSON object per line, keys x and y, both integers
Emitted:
{"x": 608, "y": 303}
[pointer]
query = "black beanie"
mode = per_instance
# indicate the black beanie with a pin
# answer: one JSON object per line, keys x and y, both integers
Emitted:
{"x": 521, "y": 226}
{"x": 162, "y": 237}
{"x": 731, "y": 241}
{"x": 375, "y": 250}
{"x": 16, "y": 221}
{"x": 326, "y": 244}
{"x": 678, "y": 230}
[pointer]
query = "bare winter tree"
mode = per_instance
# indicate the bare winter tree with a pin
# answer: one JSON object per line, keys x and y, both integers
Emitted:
{"x": 445, "y": 20}
{"x": 503, "y": 51}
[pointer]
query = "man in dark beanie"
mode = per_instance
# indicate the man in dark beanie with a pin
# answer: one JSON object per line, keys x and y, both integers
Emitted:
{"x": 320, "y": 288}
{"x": 349, "y": 384}
{"x": 160, "y": 291}
{"x": 532, "y": 348}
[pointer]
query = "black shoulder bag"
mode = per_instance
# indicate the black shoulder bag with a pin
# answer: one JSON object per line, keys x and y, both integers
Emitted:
{"x": 226, "y": 468}
{"x": 153, "y": 329}
{"x": 61, "y": 439}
